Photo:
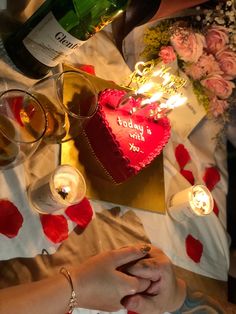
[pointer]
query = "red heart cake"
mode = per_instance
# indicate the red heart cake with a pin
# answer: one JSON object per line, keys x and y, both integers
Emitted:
{"x": 125, "y": 138}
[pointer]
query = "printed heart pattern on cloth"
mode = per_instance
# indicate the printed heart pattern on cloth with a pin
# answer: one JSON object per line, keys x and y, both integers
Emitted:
{"x": 11, "y": 219}
{"x": 182, "y": 156}
{"x": 211, "y": 176}
{"x": 194, "y": 248}
{"x": 128, "y": 141}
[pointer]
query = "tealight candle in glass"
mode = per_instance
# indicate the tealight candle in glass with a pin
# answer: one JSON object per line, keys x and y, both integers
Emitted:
{"x": 193, "y": 201}
{"x": 64, "y": 187}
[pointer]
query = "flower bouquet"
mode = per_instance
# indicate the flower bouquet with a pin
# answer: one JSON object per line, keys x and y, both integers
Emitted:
{"x": 204, "y": 47}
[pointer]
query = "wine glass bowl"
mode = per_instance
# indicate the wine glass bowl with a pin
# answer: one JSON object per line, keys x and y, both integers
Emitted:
{"x": 69, "y": 99}
{"x": 22, "y": 126}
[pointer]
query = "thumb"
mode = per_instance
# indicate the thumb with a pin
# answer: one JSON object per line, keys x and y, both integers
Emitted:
{"x": 129, "y": 254}
{"x": 140, "y": 304}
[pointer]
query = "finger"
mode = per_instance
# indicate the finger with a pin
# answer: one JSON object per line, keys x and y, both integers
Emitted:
{"x": 131, "y": 285}
{"x": 140, "y": 304}
{"x": 146, "y": 268}
{"x": 154, "y": 288}
{"x": 128, "y": 254}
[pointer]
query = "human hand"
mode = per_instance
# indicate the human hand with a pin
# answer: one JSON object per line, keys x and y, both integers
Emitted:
{"x": 100, "y": 285}
{"x": 166, "y": 293}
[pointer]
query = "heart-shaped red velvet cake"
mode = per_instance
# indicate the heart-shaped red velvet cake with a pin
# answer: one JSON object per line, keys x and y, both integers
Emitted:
{"x": 125, "y": 138}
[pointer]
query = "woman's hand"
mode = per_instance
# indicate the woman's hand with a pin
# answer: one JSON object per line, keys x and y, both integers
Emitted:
{"x": 166, "y": 293}
{"x": 100, "y": 285}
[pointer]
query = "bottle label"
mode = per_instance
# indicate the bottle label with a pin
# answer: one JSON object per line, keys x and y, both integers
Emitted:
{"x": 49, "y": 43}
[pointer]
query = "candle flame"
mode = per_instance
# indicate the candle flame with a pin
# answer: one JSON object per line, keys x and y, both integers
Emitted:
{"x": 175, "y": 101}
{"x": 152, "y": 99}
{"x": 157, "y": 73}
{"x": 156, "y": 96}
{"x": 145, "y": 88}
{"x": 167, "y": 78}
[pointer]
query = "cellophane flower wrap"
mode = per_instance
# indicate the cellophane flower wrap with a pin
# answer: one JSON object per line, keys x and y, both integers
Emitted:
{"x": 204, "y": 46}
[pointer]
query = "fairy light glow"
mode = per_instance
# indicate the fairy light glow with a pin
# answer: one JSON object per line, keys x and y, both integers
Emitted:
{"x": 159, "y": 86}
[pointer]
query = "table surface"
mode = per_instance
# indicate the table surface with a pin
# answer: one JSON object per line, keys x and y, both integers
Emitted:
{"x": 206, "y": 236}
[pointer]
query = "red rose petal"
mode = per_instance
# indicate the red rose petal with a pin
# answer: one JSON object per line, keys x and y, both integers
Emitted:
{"x": 211, "y": 177}
{"x": 55, "y": 227}
{"x": 216, "y": 209}
{"x": 194, "y": 248}
{"x": 81, "y": 213}
{"x": 87, "y": 68}
{"x": 188, "y": 175}
{"x": 131, "y": 312}
{"x": 11, "y": 219}
{"x": 182, "y": 156}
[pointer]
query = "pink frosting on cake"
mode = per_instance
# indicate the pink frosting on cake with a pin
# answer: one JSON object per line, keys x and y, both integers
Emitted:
{"x": 125, "y": 140}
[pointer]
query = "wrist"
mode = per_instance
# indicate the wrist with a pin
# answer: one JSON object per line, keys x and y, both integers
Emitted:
{"x": 80, "y": 287}
{"x": 181, "y": 293}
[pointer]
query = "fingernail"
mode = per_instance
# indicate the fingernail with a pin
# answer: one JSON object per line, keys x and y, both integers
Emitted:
{"x": 145, "y": 249}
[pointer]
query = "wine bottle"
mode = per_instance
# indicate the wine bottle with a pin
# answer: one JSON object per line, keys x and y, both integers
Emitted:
{"x": 55, "y": 30}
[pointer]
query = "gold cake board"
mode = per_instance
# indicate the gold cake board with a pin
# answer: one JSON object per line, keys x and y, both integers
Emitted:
{"x": 144, "y": 191}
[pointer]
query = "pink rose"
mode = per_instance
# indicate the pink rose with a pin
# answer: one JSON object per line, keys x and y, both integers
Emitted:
{"x": 167, "y": 54}
{"x": 227, "y": 62}
{"x": 194, "y": 71}
{"x": 218, "y": 106}
{"x": 218, "y": 86}
{"x": 206, "y": 65}
{"x": 216, "y": 38}
{"x": 188, "y": 45}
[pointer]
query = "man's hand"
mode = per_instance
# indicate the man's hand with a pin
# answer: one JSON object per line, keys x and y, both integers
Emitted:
{"x": 166, "y": 293}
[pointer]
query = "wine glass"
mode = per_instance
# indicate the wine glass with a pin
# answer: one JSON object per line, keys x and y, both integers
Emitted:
{"x": 22, "y": 126}
{"x": 69, "y": 99}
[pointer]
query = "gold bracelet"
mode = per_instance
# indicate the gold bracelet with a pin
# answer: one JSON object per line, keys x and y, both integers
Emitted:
{"x": 73, "y": 303}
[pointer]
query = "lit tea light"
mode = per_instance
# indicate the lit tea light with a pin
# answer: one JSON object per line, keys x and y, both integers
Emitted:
{"x": 58, "y": 190}
{"x": 193, "y": 201}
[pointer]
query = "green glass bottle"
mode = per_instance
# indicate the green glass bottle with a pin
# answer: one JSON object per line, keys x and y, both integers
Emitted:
{"x": 55, "y": 30}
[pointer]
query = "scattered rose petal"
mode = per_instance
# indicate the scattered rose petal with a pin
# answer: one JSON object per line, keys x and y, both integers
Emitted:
{"x": 216, "y": 209}
{"x": 182, "y": 156}
{"x": 131, "y": 312}
{"x": 11, "y": 219}
{"x": 194, "y": 248}
{"x": 188, "y": 175}
{"x": 81, "y": 213}
{"x": 211, "y": 177}
{"x": 87, "y": 68}
{"x": 55, "y": 227}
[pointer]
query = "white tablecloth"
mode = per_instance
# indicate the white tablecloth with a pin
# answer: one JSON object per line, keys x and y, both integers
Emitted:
{"x": 161, "y": 229}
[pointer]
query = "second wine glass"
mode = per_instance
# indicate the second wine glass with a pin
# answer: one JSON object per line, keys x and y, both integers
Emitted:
{"x": 69, "y": 99}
